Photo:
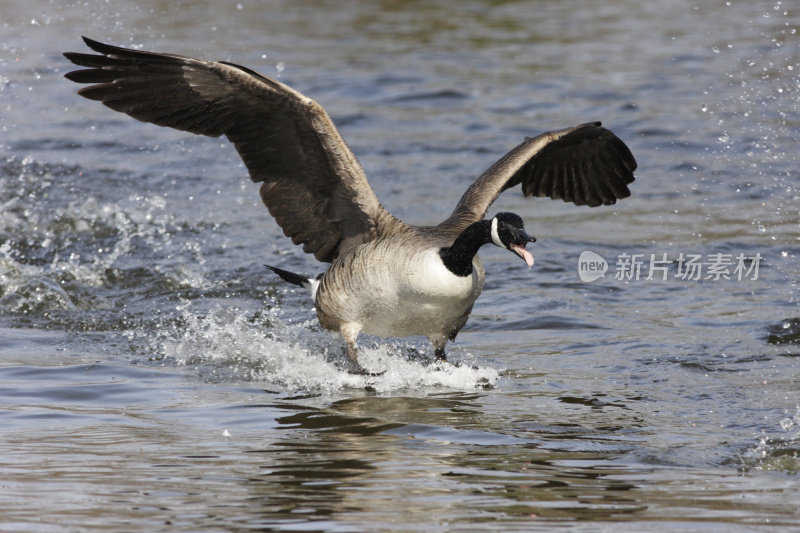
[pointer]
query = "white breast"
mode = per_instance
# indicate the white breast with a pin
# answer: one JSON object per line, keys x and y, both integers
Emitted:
{"x": 397, "y": 291}
{"x": 423, "y": 298}
{"x": 426, "y": 276}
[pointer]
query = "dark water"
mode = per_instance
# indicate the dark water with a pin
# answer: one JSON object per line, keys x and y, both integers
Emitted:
{"x": 154, "y": 376}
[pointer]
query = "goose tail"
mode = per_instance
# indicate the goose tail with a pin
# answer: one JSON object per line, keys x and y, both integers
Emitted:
{"x": 310, "y": 284}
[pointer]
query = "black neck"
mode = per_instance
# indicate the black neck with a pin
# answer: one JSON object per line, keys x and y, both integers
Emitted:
{"x": 458, "y": 257}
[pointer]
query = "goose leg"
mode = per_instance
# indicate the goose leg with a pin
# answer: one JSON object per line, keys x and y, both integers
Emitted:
{"x": 439, "y": 354}
{"x": 353, "y": 366}
{"x": 349, "y": 333}
{"x": 438, "y": 348}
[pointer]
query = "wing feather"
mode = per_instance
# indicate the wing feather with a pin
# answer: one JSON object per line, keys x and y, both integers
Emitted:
{"x": 586, "y": 165}
{"x": 312, "y": 183}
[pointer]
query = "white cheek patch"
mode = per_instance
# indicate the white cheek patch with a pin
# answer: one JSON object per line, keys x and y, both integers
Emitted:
{"x": 495, "y": 235}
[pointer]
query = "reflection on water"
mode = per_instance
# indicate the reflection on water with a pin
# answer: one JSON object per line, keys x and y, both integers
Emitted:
{"x": 154, "y": 376}
{"x": 399, "y": 460}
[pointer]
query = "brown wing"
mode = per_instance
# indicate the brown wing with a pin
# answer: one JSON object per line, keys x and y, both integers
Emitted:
{"x": 585, "y": 165}
{"x": 312, "y": 183}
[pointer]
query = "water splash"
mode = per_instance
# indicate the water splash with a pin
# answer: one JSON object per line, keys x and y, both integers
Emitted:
{"x": 226, "y": 344}
{"x": 59, "y": 244}
{"x": 779, "y": 451}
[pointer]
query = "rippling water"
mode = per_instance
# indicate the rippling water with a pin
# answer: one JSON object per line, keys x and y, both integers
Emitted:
{"x": 155, "y": 376}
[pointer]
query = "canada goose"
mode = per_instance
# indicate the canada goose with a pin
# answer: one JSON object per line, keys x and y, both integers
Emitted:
{"x": 386, "y": 278}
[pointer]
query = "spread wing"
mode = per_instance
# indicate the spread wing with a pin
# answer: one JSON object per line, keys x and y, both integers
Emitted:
{"x": 312, "y": 183}
{"x": 585, "y": 165}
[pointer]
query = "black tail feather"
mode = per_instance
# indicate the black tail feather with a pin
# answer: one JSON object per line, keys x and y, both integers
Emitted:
{"x": 291, "y": 277}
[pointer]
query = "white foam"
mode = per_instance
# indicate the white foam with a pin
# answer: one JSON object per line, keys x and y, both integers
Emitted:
{"x": 226, "y": 345}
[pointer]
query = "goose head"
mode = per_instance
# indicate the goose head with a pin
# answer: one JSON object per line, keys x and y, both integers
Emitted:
{"x": 508, "y": 231}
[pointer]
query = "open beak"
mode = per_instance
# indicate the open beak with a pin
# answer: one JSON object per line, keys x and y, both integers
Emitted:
{"x": 518, "y": 247}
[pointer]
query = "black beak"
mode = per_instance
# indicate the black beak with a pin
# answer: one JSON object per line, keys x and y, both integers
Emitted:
{"x": 520, "y": 237}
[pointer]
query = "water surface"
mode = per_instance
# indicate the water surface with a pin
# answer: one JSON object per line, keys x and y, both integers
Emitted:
{"x": 155, "y": 376}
